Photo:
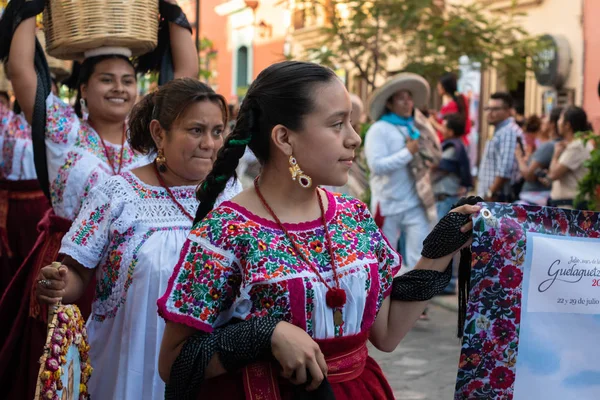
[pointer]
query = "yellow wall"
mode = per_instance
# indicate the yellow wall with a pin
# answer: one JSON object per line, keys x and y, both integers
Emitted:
{"x": 557, "y": 17}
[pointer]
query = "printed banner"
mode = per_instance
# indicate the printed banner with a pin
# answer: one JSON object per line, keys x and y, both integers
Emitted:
{"x": 533, "y": 317}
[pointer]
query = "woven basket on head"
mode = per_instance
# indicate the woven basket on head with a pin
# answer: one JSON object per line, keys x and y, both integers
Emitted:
{"x": 75, "y": 26}
{"x": 60, "y": 68}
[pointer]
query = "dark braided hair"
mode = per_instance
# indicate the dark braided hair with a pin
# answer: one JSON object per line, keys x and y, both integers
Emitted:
{"x": 450, "y": 85}
{"x": 282, "y": 94}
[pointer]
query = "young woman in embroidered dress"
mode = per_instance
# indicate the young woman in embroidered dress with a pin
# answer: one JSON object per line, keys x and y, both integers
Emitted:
{"x": 286, "y": 250}
{"x": 22, "y": 202}
{"x": 130, "y": 231}
{"x": 82, "y": 149}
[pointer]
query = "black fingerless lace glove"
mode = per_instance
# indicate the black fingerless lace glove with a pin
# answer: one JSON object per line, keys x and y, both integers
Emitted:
{"x": 237, "y": 344}
{"x": 420, "y": 284}
{"x": 445, "y": 238}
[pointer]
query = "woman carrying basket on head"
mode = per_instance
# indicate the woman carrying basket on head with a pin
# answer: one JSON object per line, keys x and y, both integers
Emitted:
{"x": 80, "y": 153}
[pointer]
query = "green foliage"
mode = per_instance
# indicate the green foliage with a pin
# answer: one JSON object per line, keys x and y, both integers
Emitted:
{"x": 205, "y": 56}
{"x": 589, "y": 187}
{"x": 427, "y": 36}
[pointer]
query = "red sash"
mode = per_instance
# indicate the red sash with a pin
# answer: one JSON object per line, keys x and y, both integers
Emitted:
{"x": 346, "y": 358}
{"x": 14, "y": 190}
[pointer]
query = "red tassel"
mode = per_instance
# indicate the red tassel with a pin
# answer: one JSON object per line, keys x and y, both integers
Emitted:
{"x": 335, "y": 297}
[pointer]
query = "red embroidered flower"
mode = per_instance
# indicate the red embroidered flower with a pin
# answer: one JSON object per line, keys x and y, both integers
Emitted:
{"x": 486, "y": 283}
{"x": 502, "y": 378}
{"x": 214, "y": 294}
{"x": 482, "y": 258}
{"x": 267, "y": 302}
{"x": 209, "y": 265}
{"x": 316, "y": 245}
{"x": 521, "y": 214}
{"x": 469, "y": 359}
{"x": 517, "y": 311}
{"x": 473, "y": 386}
{"x": 511, "y": 231}
{"x": 178, "y": 304}
{"x": 511, "y": 277}
{"x": 487, "y": 347}
{"x": 232, "y": 229}
{"x": 504, "y": 331}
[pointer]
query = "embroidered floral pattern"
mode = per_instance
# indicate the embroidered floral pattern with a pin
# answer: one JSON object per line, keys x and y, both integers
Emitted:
{"x": 112, "y": 266}
{"x": 16, "y": 140}
{"x": 147, "y": 192}
{"x": 58, "y": 185}
{"x": 206, "y": 284}
{"x": 490, "y": 342}
{"x": 310, "y": 305}
{"x": 88, "y": 226}
{"x": 257, "y": 256}
{"x": 59, "y": 121}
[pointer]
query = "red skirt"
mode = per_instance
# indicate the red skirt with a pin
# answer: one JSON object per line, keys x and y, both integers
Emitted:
{"x": 352, "y": 374}
{"x": 22, "y": 206}
{"x": 23, "y": 330}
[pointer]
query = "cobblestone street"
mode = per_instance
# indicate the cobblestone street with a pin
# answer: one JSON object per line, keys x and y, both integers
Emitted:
{"x": 424, "y": 365}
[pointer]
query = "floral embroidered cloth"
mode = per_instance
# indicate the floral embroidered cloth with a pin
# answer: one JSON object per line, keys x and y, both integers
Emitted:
{"x": 76, "y": 158}
{"x": 132, "y": 234}
{"x": 511, "y": 346}
{"x": 238, "y": 265}
{"x": 16, "y": 162}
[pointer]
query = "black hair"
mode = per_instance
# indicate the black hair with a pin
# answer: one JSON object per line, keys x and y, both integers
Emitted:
{"x": 5, "y": 95}
{"x": 532, "y": 124}
{"x": 577, "y": 118}
{"x": 85, "y": 71}
{"x": 456, "y": 123}
{"x": 281, "y": 94}
{"x": 450, "y": 84}
{"x": 166, "y": 105}
{"x": 505, "y": 97}
{"x": 554, "y": 117}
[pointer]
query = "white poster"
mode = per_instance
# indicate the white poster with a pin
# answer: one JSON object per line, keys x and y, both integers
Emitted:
{"x": 559, "y": 355}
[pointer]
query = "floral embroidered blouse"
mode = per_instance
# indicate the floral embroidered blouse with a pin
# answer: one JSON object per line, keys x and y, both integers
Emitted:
{"x": 131, "y": 233}
{"x": 16, "y": 163}
{"x": 76, "y": 158}
{"x": 235, "y": 264}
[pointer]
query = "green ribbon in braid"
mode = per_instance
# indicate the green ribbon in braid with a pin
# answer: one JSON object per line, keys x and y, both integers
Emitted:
{"x": 240, "y": 142}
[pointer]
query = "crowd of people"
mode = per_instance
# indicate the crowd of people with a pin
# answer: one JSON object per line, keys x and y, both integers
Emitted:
{"x": 539, "y": 163}
{"x": 272, "y": 287}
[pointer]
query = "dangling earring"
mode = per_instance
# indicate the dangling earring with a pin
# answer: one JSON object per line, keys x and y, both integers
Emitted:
{"x": 304, "y": 180}
{"x": 83, "y": 105}
{"x": 161, "y": 161}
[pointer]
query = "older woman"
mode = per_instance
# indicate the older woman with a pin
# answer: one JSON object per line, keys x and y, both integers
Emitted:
{"x": 130, "y": 231}
{"x": 400, "y": 148}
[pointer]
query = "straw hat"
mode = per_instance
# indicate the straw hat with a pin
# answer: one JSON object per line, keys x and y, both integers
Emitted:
{"x": 415, "y": 84}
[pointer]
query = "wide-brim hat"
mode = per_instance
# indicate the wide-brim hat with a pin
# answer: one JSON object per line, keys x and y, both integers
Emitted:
{"x": 415, "y": 84}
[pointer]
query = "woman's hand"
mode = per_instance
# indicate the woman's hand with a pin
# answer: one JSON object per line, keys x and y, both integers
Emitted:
{"x": 298, "y": 353}
{"x": 467, "y": 210}
{"x": 51, "y": 284}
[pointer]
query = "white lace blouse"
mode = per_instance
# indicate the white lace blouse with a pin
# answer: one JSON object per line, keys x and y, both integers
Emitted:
{"x": 131, "y": 233}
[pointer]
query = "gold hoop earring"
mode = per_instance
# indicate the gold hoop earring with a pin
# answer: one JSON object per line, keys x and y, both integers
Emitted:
{"x": 161, "y": 161}
{"x": 304, "y": 180}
